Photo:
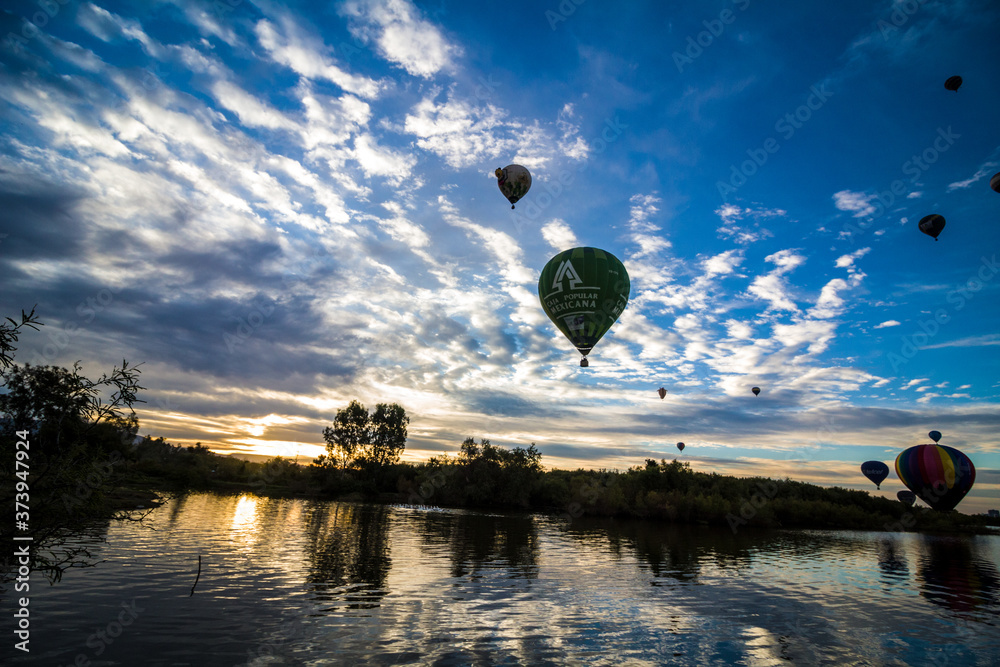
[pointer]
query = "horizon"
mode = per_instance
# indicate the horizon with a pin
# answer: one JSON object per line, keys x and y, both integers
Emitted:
{"x": 278, "y": 208}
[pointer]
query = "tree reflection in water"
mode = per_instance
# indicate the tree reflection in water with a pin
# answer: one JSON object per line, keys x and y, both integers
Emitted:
{"x": 348, "y": 551}
{"x": 957, "y": 574}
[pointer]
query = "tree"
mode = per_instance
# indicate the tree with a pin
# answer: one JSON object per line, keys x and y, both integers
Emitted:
{"x": 379, "y": 437}
{"x": 9, "y": 334}
{"x": 77, "y": 441}
{"x": 348, "y": 434}
{"x": 388, "y": 438}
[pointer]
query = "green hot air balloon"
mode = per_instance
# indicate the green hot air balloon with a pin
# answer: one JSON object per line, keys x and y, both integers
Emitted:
{"x": 583, "y": 291}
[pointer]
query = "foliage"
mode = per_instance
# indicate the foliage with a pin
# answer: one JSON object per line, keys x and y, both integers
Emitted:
{"x": 78, "y": 445}
{"x": 369, "y": 440}
{"x": 9, "y": 334}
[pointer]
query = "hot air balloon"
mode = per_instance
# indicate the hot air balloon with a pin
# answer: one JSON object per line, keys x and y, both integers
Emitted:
{"x": 995, "y": 182}
{"x": 939, "y": 475}
{"x": 583, "y": 291}
{"x": 662, "y": 392}
{"x": 953, "y": 83}
{"x": 514, "y": 182}
{"x": 907, "y": 497}
{"x": 934, "y": 435}
{"x": 876, "y": 471}
{"x": 756, "y": 391}
{"x": 932, "y": 224}
{"x": 680, "y": 446}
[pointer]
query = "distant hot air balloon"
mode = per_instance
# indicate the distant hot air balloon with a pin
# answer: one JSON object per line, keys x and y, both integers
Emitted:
{"x": 939, "y": 475}
{"x": 995, "y": 182}
{"x": 514, "y": 182}
{"x": 756, "y": 391}
{"x": 932, "y": 224}
{"x": 953, "y": 83}
{"x": 934, "y": 435}
{"x": 583, "y": 291}
{"x": 680, "y": 446}
{"x": 876, "y": 471}
{"x": 662, "y": 392}
{"x": 908, "y": 497}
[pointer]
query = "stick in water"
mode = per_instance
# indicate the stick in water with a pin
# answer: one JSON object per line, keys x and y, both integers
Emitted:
{"x": 196, "y": 576}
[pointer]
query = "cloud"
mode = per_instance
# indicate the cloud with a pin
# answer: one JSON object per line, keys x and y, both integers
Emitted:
{"x": 304, "y": 54}
{"x": 987, "y": 340}
{"x": 857, "y": 203}
{"x": 985, "y": 170}
{"x": 402, "y": 36}
{"x": 731, "y": 215}
{"x": 888, "y": 323}
{"x": 559, "y": 235}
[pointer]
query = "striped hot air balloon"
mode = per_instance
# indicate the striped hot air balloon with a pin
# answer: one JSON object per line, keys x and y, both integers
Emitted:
{"x": 939, "y": 475}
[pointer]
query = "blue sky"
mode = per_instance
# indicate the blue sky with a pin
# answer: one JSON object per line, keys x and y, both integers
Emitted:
{"x": 280, "y": 207}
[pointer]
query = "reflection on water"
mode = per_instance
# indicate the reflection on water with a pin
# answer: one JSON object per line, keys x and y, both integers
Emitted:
{"x": 306, "y": 582}
{"x": 957, "y": 574}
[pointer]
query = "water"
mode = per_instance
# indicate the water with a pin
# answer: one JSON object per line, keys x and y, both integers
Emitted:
{"x": 305, "y": 582}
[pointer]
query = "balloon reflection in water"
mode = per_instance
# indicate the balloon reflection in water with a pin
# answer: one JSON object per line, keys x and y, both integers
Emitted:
{"x": 954, "y": 573}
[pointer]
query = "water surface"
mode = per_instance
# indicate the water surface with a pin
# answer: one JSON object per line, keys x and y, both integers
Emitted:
{"x": 307, "y": 582}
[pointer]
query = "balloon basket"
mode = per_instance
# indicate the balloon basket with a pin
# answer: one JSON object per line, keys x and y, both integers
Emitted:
{"x": 584, "y": 363}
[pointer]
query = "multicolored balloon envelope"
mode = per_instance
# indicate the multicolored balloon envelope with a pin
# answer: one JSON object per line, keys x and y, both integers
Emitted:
{"x": 680, "y": 446}
{"x": 876, "y": 471}
{"x": 908, "y": 497}
{"x": 583, "y": 291}
{"x": 939, "y": 475}
{"x": 756, "y": 391}
{"x": 514, "y": 182}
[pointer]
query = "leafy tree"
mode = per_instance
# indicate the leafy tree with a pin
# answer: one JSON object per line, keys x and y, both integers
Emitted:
{"x": 9, "y": 334}
{"x": 77, "y": 441}
{"x": 388, "y": 433}
{"x": 378, "y": 438}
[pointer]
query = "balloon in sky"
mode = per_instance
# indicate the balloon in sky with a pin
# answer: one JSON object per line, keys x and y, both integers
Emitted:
{"x": 583, "y": 291}
{"x": 934, "y": 435}
{"x": 995, "y": 182}
{"x": 756, "y": 391}
{"x": 680, "y": 446}
{"x": 939, "y": 475}
{"x": 876, "y": 471}
{"x": 514, "y": 182}
{"x": 662, "y": 392}
{"x": 908, "y": 497}
{"x": 953, "y": 83}
{"x": 932, "y": 225}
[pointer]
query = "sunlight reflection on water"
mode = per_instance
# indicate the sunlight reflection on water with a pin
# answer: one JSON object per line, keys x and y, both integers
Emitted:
{"x": 305, "y": 582}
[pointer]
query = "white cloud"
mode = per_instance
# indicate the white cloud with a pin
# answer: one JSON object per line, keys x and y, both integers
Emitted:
{"x": 857, "y": 203}
{"x": 983, "y": 171}
{"x": 304, "y": 55}
{"x": 460, "y": 133}
{"x": 888, "y": 323}
{"x": 913, "y": 383}
{"x": 559, "y": 235}
{"x": 848, "y": 260}
{"x": 731, "y": 215}
{"x": 402, "y": 36}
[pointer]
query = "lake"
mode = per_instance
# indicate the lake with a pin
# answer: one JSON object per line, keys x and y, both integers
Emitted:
{"x": 311, "y": 582}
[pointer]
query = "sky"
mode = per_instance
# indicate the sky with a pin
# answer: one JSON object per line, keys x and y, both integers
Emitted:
{"x": 277, "y": 208}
